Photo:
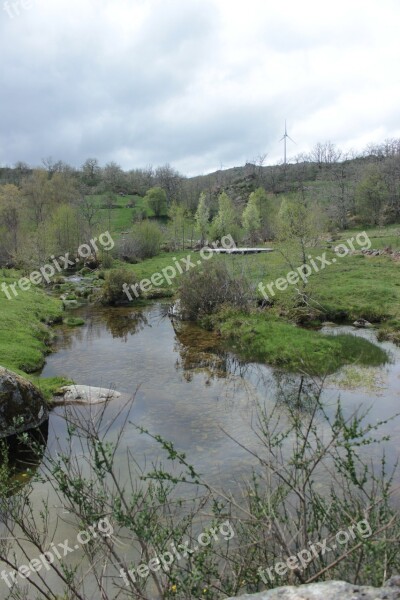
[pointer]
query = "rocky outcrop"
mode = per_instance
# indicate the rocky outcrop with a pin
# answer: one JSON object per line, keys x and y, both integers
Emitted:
{"x": 388, "y": 251}
{"x": 22, "y": 406}
{"x": 330, "y": 590}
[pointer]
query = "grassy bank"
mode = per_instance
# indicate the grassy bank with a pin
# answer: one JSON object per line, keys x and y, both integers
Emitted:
{"x": 24, "y": 331}
{"x": 265, "y": 338}
{"x": 355, "y": 286}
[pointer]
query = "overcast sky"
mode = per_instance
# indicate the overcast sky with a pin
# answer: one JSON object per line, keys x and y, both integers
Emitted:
{"x": 195, "y": 83}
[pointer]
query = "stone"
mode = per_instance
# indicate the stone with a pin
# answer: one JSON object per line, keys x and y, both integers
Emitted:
{"x": 361, "y": 323}
{"x": 329, "y": 590}
{"x": 176, "y": 311}
{"x": 22, "y": 406}
{"x": 84, "y": 394}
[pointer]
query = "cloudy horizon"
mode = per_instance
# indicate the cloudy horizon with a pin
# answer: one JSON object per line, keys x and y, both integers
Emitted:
{"x": 199, "y": 85}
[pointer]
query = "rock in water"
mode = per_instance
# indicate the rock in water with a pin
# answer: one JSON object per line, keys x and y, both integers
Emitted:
{"x": 362, "y": 323}
{"x": 329, "y": 590}
{"x": 84, "y": 394}
{"x": 22, "y": 406}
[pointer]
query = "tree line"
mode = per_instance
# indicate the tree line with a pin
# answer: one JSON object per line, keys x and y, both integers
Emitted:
{"x": 53, "y": 208}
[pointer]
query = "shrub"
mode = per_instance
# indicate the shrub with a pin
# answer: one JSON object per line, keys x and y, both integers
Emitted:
{"x": 106, "y": 260}
{"x": 144, "y": 243}
{"x": 112, "y": 292}
{"x": 204, "y": 292}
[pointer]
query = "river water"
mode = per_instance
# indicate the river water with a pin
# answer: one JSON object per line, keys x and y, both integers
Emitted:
{"x": 190, "y": 391}
{"x": 194, "y": 393}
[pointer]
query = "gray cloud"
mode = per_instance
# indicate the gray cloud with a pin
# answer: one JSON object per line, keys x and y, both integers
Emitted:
{"x": 195, "y": 84}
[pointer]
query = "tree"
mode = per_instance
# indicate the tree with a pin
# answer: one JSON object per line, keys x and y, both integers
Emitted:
{"x": 157, "y": 201}
{"x": 90, "y": 210}
{"x": 63, "y": 189}
{"x": 267, "y": 211}
{"x": 251, "y": 219}
{"x": 202, "y": 217}
{"x": 64, "y": 227}
{"x": 91, "y": 172}
{"x": 341, "y": 192}
{"x": 224, "y": 222}
{"x": 371, "y": 194}
{"x": 10, "y": 207}
{"x": 113, "y": 177}
{"x": 177, "y": 214}
{"x": 37, "y": 193}
{"x": 171, "y": 182}
{"x": 325, "y": 154}
{"x": 299, "y": 227}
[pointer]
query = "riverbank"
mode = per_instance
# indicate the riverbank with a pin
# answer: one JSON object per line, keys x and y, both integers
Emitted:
{"x": 356, "y": 286}
{"x": 25, "y": 335}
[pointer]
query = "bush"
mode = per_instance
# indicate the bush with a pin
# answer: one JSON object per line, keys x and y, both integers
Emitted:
{"x": 106, "y": 260}
{"x": 112, "y": 292}
{"x": 204, "y": 292}
{"x": 144, "y": 243}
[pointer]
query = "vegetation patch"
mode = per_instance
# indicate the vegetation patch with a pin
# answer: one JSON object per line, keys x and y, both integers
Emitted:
{"x": 24, "y": 334}
{"x": 355, "y": 377}
{"x": 74, "y": 321}
{"x": 265, "y": 338}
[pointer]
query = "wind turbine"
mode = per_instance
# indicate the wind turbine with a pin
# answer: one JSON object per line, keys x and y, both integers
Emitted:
{"x": 284, "y": 138}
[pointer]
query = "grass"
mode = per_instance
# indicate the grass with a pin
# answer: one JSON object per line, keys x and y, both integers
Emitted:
{"x": 121, "y": 217}
{"x": 354, "y": 287}
{"x": 24, "y": 333}
{"x": 265, "y": 338}
{"x": 74, "y": 322}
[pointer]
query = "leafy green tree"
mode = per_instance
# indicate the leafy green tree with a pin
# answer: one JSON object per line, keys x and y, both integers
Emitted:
{"x": 299, "y": 227}
{"x": 177, "y": 215}
{"x": 64, "y": 229}
{"x": 224, "y": 222}
{"x": 202, "y": 217}
{"x": 300, "y": 224}
{"x": 371, "y": 195}
{"x": 267, "y": 212}
{"x": 157, "y": 201}
{"x": 251, "y": 219}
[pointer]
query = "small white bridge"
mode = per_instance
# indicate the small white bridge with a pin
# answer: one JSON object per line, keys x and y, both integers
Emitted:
{"x": 240, "y": 250}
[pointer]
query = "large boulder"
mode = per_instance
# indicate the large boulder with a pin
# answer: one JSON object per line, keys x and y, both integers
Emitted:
{"x": 22, "y": 406}
{"x": 330, "y": 590}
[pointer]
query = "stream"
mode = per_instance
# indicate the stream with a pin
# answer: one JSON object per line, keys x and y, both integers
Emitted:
{"x": 177, "y": 381}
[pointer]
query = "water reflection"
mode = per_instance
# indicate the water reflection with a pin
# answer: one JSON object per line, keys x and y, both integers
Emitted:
{"x": 190, "y": 387}
{"x": 21, "y": 456}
